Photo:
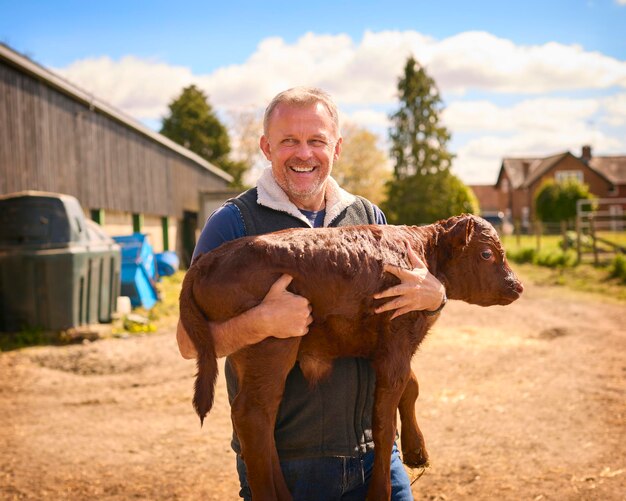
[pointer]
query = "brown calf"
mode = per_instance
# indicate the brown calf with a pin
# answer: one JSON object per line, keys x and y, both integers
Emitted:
{"x": 338, "y": 270}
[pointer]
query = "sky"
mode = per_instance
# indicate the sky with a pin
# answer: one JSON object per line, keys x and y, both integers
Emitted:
{"x": 517, "y": 79}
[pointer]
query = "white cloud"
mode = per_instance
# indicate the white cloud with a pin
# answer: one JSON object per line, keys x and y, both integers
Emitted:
{"x": 142, "y": 88}
{"x": 363, "y": 73}
{"x": 620, "y": 2}
{"x": 362, "y": 77}
{"x": 376, "y": 120}
{"x": 478, "y": 60}
{"x": 615, "y": 108}
{"x": 541, "y": 114}
{"x": 478, "y": 160}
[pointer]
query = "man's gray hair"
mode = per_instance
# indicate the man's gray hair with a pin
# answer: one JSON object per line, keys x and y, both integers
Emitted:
{"x": 302, "y": 96}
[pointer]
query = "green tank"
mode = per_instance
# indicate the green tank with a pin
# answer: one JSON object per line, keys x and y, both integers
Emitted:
{"x": 58, "y": 269}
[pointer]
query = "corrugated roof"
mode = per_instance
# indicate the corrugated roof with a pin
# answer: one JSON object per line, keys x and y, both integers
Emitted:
{"x": 59, "y": 83}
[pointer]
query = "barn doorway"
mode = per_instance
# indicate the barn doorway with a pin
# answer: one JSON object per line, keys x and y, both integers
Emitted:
{"x": 190, "y": 224}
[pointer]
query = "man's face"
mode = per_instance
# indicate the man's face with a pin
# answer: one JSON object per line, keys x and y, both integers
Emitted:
{"x": 302, "y": 142}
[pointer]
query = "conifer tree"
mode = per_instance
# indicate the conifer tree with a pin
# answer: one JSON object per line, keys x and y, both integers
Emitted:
{"x": 423, "y": 189}
{"x": 192, "y": 123}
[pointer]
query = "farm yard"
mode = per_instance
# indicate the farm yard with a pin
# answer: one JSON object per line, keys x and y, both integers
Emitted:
{"x": 519, "y": 402}
{"x": 123, "y": 129}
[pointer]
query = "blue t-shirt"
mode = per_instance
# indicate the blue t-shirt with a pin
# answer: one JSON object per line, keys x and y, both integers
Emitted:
{"x": 226, "y": 224}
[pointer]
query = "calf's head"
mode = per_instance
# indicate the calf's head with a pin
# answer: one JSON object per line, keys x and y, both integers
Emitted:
{"x": 473, "y": 263}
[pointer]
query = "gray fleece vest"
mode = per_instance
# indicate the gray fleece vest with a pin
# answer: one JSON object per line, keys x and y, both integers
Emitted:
{"x": 335, "y": 417}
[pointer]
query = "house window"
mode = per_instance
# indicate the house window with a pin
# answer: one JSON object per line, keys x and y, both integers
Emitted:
{"x": 564, "y": 175}
{"x": 505, "y": 185}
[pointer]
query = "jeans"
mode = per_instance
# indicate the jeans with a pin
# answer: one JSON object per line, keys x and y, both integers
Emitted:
{"x": 334, "y": 478}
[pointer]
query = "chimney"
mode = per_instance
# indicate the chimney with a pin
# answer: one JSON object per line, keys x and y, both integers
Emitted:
{"x": 586, "y": 154}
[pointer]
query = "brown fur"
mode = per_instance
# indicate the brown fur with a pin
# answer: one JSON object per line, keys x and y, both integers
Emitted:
{"x": 338, "y": 270}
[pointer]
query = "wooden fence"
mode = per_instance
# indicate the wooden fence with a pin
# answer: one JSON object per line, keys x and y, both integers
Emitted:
{"x": 598, "y": 221}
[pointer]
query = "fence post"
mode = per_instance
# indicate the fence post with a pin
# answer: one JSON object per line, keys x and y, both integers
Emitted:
{"x": 538, "y": 229}
{"x": 592, "y": 232}
{"x": 578, "y": 240}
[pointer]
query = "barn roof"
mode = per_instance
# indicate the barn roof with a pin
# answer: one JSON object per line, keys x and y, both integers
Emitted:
{"x": 59, "y": 83}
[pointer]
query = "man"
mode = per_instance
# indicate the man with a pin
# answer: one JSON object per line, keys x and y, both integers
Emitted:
{"x": 323, "y": 435}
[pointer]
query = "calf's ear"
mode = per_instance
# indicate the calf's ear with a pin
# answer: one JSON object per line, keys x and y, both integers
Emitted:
{"x": 462, "y": 231}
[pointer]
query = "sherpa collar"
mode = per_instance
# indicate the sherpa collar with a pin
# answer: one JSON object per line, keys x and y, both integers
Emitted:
{"x": 271, "y": 195}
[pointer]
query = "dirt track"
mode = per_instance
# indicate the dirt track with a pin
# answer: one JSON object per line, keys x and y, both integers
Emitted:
{"x": 522, "y": 402}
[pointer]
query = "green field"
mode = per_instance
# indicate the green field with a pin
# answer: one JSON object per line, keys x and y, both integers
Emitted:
{"x": 542, "y": 260}
{"x": 550, "y": 242}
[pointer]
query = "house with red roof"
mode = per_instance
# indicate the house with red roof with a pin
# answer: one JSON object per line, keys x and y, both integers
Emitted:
{"x": 519, "y": 179}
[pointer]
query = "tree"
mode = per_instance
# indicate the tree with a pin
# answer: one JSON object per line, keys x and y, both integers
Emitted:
{"x": 425, "y": 199}
{"x": 246, "y": 128}
{"x": 418, "y": 141}
{"x": 556, "y": 201}
{"x": 423, "y": 189}
{"x": 192, "y": 123}
{"x": 362, "y": 167}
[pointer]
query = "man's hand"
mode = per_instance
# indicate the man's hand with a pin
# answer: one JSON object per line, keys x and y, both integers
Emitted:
{"x": 418, "y": 289}
{"x": 280, "y": 314}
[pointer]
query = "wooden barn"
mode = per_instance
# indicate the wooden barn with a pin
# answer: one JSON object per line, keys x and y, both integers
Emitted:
{"x": 56, "y": 137}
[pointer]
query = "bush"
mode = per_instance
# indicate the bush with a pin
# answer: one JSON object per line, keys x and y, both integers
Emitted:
{"x": 556, "y": 259}
{"x": 556, "y": 201}
{"x": 553, "y": 258}
{"x": 571, "y": 241}
{"x": 617, "y": 268}
{"x": 524, "y": 255}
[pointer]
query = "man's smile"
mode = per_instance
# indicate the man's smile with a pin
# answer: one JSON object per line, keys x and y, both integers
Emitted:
{"x": 302, "y": 169}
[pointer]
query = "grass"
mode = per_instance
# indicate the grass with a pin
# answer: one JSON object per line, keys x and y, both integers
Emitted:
{"x": 544, "y": 262}
{"x": 547, "y": 243}
{"x": 144, "y": 321}
{"x": 26, "y": 337}
{"x": 514, "y": 243}
{"x": 581, "y": 278}
{"x": 618, "y": 238}
{"x": 167, "y": 306}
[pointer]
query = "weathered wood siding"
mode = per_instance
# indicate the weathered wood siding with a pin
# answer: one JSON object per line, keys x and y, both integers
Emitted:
{"x": 51, "y": 142}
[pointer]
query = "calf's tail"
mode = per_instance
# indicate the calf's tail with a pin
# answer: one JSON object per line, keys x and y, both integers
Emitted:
{"x": 197, "y": 326}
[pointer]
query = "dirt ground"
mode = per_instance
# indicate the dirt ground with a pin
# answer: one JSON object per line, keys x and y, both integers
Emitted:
{"x": 519, "y": 402}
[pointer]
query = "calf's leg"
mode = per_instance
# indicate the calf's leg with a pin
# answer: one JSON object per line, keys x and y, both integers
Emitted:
{"x": 389, "y": 388}
{"x": 413, "y": 448}
{"x": 262, "y": 370}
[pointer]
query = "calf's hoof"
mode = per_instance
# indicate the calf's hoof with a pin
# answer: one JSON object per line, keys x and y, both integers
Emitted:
{"x": 416, "y": 458}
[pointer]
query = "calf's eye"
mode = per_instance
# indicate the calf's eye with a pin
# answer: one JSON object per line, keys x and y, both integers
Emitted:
{"x": 486, "y": 254}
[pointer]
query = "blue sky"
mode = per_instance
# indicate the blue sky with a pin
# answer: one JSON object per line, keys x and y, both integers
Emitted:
{"x": 517, "y": 78}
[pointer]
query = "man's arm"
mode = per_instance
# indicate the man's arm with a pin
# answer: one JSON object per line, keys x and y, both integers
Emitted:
{"x": 281, "y": 314}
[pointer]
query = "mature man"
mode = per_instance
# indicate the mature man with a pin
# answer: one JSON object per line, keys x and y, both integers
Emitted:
{"x": 323, "y": 435}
